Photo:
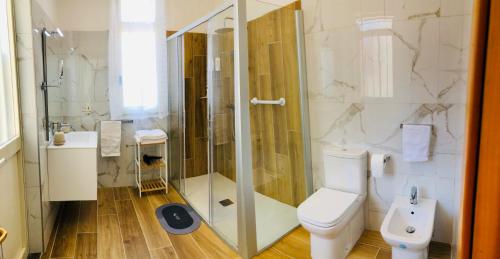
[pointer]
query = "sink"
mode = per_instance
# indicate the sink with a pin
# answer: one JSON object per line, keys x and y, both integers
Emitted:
{"x": 408, "y": 228}
{"x": 72, "y": 167}
{"x": 77, "y": 139}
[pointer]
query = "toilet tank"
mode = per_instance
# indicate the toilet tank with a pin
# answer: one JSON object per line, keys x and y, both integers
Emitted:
{"x": 346, "y": 169}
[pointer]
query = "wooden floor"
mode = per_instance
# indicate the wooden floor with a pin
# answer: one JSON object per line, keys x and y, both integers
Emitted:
{"x": 370, "y": 246}
{"x": 122, "y": 225}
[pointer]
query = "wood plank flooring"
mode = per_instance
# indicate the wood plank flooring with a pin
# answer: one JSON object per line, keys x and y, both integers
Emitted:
{"x": 122, "y": 225}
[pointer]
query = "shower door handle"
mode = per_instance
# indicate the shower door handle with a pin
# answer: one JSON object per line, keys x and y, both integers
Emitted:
{"x": 281, "y": 101}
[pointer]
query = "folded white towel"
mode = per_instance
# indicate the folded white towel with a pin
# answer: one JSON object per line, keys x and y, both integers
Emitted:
{"x": 111, "y": 135}
{"x": 149, "y": 136}
{"x": 416, "y": 142}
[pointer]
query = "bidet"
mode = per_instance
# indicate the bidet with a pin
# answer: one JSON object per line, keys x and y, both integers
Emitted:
{"x": 408, "y": 227}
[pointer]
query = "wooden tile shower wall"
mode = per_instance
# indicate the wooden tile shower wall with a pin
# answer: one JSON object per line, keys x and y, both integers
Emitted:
{"x": 195, "y": 76}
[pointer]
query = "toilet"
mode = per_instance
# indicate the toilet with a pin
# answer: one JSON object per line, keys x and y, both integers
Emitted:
{"x": 334, "y": 214}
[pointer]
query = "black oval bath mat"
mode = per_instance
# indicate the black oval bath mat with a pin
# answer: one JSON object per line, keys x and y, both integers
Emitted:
{"x": 178, "y": 218}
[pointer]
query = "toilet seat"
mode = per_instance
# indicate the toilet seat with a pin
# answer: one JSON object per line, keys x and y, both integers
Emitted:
{"x": 327, "y": 207}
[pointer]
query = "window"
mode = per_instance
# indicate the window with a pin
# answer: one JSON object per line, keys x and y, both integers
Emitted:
{"x": 137, "y": 59}
{"x": 8, "y": 95}
{"x": 139, "y": 68}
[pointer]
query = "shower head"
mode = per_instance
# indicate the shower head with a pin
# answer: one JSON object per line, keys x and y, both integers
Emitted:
{"x": 227, "y": 26}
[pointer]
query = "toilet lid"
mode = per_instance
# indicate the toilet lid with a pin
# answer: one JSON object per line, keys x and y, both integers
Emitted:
{"x": 327, "y": 207}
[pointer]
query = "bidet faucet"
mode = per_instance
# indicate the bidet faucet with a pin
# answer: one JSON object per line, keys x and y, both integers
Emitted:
{"x": 413, "y": 195}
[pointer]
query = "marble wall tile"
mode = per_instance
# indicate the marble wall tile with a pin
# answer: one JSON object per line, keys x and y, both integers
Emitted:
{"x": 456, "y": 7}
{"x": 415, "y": 57}
{"x": 39, "y": 210}
{"x": 412, "y": 9}
{"x": 34, "y": 212}
{"x": 324, "y": 15}
{"x": 30, "y": 137}
{"x": 453, "y": 59}
{"x": 31, "y": 174}
{"x": 339, "y": 13}
{"x": 334, "y": 65}
{"x": 23, "y": 21}
{"x": 386, "y": 63}
{"x": 372, "y": 8}
{"x": 28, "y": 94}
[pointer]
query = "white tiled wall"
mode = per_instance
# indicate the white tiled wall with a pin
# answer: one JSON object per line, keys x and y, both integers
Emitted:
{"x": 28, "y": 95}
{"x": 420, "y": 48}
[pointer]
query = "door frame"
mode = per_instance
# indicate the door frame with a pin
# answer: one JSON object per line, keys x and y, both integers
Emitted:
{"x": 479, "y": 229}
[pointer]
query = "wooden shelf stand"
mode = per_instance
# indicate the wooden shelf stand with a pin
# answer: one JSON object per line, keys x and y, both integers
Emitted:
{"x": 157, "y": 171}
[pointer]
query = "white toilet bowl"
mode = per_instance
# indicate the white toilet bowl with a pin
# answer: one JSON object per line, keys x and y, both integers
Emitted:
{"x": 335, "y": 220}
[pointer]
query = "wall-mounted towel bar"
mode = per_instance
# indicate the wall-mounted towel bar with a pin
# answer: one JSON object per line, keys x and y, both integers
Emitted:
{"x": 280, "y": 101}
{"x": 402, "y": 124}
{"x": 126, "y": 121}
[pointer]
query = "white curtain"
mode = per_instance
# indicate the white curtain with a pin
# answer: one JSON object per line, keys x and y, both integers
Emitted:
{"x": 137, "y": 59}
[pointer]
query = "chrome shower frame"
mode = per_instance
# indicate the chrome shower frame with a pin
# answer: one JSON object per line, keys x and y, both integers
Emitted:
{"x": 45, "y": 34}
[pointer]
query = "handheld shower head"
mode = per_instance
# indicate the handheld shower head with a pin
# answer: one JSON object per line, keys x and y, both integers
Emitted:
{"x": 59, "y": 32}
{"x": 56, "y": 33}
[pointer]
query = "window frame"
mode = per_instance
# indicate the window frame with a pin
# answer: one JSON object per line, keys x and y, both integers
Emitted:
{"x": 13, "y": 144}
{"x": 139, "y": 27}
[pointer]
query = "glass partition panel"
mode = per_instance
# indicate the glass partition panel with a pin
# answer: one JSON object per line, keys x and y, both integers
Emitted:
{"x": 222, "y": 141}
{"x": 176, "y": 112}
{"x": 277, "y": 149}
{"x": 196, "y": 177}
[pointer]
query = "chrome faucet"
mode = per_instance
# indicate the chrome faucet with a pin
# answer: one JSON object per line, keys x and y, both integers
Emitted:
{"x": 57, "y": 126}
{"x": 53, "y": 127}
{"x": 413, "y": 195}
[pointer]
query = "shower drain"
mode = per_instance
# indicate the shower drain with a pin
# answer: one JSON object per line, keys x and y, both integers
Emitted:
{"x": 410, "y": 230}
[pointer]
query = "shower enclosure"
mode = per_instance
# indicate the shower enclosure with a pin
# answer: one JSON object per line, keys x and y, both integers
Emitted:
{"x": 243, "y": 165}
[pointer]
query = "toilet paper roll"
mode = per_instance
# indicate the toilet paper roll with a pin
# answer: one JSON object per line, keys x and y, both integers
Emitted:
{"x": 378, "y": 164}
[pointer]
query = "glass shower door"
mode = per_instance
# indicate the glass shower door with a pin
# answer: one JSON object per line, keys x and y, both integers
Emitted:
{"x": 223, "y": 212}
{"x": 196, "y": 174}
{"x": 175, "y": 113}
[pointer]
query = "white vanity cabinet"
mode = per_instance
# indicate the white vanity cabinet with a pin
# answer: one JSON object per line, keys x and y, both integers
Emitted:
{"x": 72, "y": 167}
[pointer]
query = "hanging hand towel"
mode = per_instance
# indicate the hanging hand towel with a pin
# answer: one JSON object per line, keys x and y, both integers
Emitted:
{"x": 416, "y": 142}
{"x": 111, "y": 135}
